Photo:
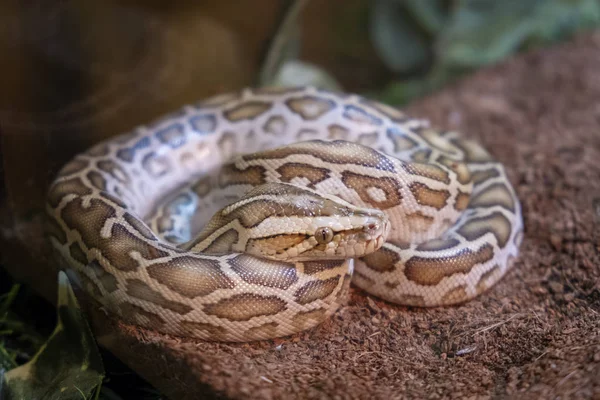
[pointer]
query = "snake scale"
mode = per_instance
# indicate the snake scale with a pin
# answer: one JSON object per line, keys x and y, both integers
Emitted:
{"x": 245, "y": 216}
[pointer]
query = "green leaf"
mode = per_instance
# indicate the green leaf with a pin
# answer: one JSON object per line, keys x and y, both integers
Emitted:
{"x": 6, "y": 360}
{"x": 396, "y": 38}
{"x": 482, "y": 32}
{"x": 563, "y": 18}
{"x": 431, "y": 14}
{"x": 68, "y": 366}
{"x": 6, "y": 300}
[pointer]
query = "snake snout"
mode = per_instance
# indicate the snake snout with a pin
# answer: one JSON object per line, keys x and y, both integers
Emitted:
{"x": 376, "y": 227}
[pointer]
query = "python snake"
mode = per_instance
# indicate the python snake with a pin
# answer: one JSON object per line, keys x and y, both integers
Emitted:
{"x": 245, "y": 216}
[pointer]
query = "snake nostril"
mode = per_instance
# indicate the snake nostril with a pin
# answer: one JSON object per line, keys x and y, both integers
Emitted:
{"x": 372, "y": 226}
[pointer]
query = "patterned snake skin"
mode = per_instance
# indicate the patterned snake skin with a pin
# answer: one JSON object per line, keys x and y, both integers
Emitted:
{"x": 306, "y": 186}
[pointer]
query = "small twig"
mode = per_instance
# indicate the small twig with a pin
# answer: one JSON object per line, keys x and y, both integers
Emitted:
{"x": 565, "y": 378}
{"x": 541, "y": 355}
{"x": 364, "y": 354}
{"x": 493, "y": 326}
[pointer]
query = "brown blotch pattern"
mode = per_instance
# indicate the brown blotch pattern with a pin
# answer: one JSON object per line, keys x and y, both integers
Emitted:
{"x": 412, "y": 300}
{"x": 462, "y": 201}
{"x": 427, "y": 170}
{"x": 473, "y": 153}
{"x": 218, "y": 100}
{"x": 463, "y": 174}
{"x": 419, "y": 222}
{"x": 275, "y": 126}
{"x": 495, "y": 223}
{"x": 314, "y": 267}
{"x": 74, "y": 166}
{"x": 400, "y": 244}
{"x": 431, "y": 271}
{"x": 228, "y": 143}
{"x": 164, "y": 224}
{"x": 304, "y": 319}
{"x": 429, "y": 197}
{"x": 310, "y": 107}
{"x": 203, "y": 187}
{"x": 365, "y": 279}
{"x": 401, "y": 142}
{"x": 383, "y": 260}
{"x": 119, "y": 255}
{"x": 487, "y": 279}
{"x": 202, "y": 329}
{"x": 231, "y": 175}
{"x": 316, "y": 290}
{"x": 361, "y": 116}
{"x": 63, "y": 188}
{"x": 258, "y": 271}
{"x": 247, "y": 110}
{"x": 290, "y": 171}
{"x": 137, "y": 225}
{"x": 138, "y": 315}
{"x": 367, "y": 139}
{"x": 106, "y": 279}
{"x": 245, "y": 306}
{"x": 337, "y": 132}
{"x": 114, "y": 169}
{"x": 102, "y": 149}
{"x": 421, "y": 156}
{"x": 113, "y": 199}
{"x": 140, "y": 290}
{"x": 496, "y": 194}
{"x": 390, "y": 112}
{"x": 361, "y": 183}
{"x": 223, "y": 243}
{"x": 456, "y": 295}
{"x": 77, "y": 253}
{"x": 483, "y": 175}
{"x": 116, "y": 249}
{"x": 518, "y": 238}
{"x": 97, "y": 180}
{"x": 391, "y": 285}
{"x": 434, "y": 139}
{"x": 191, "y": 277}
{"x": 267, "y": 330}
{"x": 90, "y": 286}
{"x": 156, "y": 165}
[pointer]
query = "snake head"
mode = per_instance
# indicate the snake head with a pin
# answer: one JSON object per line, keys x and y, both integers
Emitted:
{"x": 285, "y": 222}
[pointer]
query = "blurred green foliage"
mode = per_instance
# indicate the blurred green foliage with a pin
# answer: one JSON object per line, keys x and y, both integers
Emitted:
{"x": 437, "y": 40}
{"x": 67, "y": 366}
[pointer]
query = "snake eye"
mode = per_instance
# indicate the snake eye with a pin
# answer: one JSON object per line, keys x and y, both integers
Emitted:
{"x": 324, "y": 235}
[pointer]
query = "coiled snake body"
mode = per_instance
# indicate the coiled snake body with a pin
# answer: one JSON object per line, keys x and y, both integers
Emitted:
{"x": 309, "y": 190}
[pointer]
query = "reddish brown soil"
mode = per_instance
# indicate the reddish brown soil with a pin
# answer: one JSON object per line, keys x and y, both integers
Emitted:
{"x": 534, "y": 335}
